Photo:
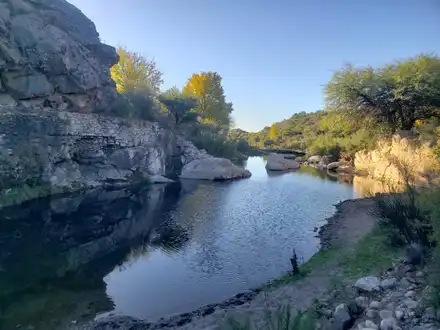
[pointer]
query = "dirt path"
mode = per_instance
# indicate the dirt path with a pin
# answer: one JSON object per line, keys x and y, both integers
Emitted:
{"x": 344, "y": 229}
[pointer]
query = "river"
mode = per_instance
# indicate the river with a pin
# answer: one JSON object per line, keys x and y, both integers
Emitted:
{"x": 156, "y": 252}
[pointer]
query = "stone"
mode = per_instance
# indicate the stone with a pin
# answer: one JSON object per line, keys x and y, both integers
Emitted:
{"x": 399, "y": 314}
{"x": 314, "y": 159}
{"x": 420, "y": 274}
{"x": 371, "y": 313}
{"x": 213, "y": 169}
{"x": 388, "y": 283}
{"x": 362, "y": 302}
{"x": 410, "y": 303}
{"x": 27, "y": 85}
{"x": 277, "y": 162}
{"x": 333, "y": 166}
{"x": 375, "y": 304}
{"x": 342, "y": 317}
{"x": 371, "y": 325}
{"x": 405, "y": 283}
{"x": 345, "y": 169}
{"x": 388, "y": 324}
{"x": 368, "y": 284}
{"x": 410, "y": 294}
{"x": 385, "y": 314}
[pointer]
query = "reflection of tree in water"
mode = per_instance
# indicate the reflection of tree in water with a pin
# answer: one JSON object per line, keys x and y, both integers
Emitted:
{"x": 171, "y": 238}
{"x": 53, "y": 269}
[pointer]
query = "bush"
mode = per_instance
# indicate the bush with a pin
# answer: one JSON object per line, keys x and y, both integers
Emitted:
{"x": 219, "y": 146}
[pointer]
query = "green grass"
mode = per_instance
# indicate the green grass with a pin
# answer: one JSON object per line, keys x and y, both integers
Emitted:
{"x": 281, "y": 319}
{"x": 372, "y": 255}
{"x": 319, "y": 259}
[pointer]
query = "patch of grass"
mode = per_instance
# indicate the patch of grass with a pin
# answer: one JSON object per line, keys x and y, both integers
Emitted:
{"x": 281, "y": 319}
{"x": 319, "y": 259}
{"x": 373, "y": 254}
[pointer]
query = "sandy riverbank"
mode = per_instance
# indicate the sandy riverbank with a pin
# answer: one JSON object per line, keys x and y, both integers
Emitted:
{"x": 351, "y": 222}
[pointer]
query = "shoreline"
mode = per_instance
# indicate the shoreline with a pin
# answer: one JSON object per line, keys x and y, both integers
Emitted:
{"x": 332, "y": 234}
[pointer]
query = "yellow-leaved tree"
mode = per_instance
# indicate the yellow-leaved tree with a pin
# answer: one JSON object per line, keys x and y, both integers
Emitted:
{"x": 135, "y": 73}
{"x": 207, "y": 88}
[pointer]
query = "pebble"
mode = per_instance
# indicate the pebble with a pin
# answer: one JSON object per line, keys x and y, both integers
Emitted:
{"x": 410, "y": 303}
{"x": 371, "y": 313}
{"x": 388, "y": 283}
{"x": 375, "y": 304}
{"x": 388, "y": 324}
{"x": 419, "y": 274}
{"x": 385, "y": 314}
{"x": 371, "y": 325}
{"x": 410, "y": 294}
{"x": 399, "y": 314}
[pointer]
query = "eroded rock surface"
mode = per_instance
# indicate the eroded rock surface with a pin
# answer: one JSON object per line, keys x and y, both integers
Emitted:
{"x": 51, "y": 56}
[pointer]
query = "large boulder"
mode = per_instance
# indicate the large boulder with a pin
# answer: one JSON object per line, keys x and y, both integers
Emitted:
{"x": 277, "y": 162}
{"x": 333, "y": 166}
{"x": 51, "y": 56}
{"x": 212, "y": 168}
{"x": 314, "y": 159}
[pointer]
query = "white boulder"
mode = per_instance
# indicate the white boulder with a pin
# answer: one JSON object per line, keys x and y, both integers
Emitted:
{"x": 213, "y": 168}
{"x": 368, "y": 283}
{"x": 277, "y": 162}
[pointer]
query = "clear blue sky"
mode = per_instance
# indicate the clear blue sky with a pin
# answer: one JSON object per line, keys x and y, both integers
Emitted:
{"x": 274, "y": 55}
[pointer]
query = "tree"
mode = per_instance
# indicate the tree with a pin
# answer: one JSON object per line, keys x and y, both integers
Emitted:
{"x": 273, "y": 133}
{"x": 179, "y": 106}
{"x": 398, "y": 93}
{"x": 212, "y": 106}
{"x": 134, "y": 73}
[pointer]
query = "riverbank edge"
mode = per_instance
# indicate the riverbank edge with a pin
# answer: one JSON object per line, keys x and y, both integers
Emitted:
{"x": 327, "y": 234}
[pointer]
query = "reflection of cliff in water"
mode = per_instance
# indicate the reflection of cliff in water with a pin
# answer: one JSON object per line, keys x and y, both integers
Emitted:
{"x": 54, "y": 254}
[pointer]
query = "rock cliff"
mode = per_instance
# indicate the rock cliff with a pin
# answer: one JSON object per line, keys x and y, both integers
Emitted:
{"x": 54, "y": 86}
{"x": 51, "y": 56}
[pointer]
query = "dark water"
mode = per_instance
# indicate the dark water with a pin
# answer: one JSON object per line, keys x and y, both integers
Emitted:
{"x": 156, "y": 252}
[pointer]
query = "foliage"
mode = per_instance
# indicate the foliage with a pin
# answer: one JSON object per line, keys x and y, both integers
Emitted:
{"x": 180, "y": 107}
{"x": 281, "y": 319}
{"x": 134, "y": 73}
{"x": 212, "y": 106}
{"x": 220, "y": 146}
{"x": 320, "y": 132}
{"x": 397, "y": 94}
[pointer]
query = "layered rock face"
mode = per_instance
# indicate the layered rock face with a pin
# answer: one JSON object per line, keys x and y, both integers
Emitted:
{"x": 66, "y": 149}
{"x": 51, "y": 56}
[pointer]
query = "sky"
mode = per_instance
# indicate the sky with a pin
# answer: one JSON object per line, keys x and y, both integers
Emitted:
{"x": 275, "y": 56}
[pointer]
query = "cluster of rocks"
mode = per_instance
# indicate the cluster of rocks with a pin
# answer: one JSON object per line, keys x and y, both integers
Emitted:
{"x": 329, "y": 163}
{"x": 278, "y": 162}
{"x": 397, "y": 300}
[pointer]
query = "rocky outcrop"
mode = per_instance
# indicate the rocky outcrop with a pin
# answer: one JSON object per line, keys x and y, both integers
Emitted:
{"x": 390, "y": 156}
{"x": 277, "y": 162}
{"x": 72, "y": 150}
{"x": 51, "y": 56}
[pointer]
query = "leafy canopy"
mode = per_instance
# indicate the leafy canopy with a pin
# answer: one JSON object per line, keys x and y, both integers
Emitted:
{"x": 212, "y": 106}
{"x": 179, "y": 106}
{"x": 397, "y": 94}
{"x": 135, "y": 73}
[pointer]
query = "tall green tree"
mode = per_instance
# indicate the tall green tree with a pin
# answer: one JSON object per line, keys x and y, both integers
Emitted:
{"x": 134, "y": 73}
{"x": 180, "y": 107}
{"x": 398, "y": 93}
{"x": 212, "y": 106}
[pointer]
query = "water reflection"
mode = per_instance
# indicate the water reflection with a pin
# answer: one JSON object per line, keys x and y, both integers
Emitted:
{"x": 158, "y": 251}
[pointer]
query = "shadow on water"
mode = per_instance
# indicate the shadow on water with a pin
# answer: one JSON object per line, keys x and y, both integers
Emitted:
{"x": 154, "y": 252}
{"x": 54, "y": 254}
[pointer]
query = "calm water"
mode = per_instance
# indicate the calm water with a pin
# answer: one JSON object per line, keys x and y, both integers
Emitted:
{"x": 157, "y": 252}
